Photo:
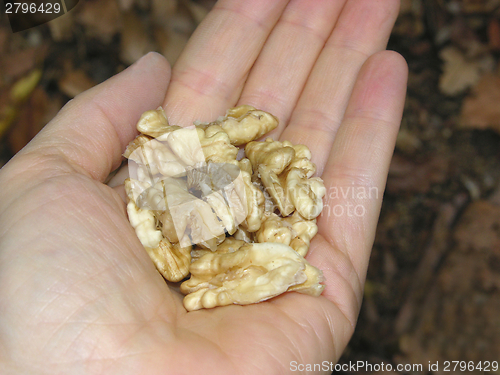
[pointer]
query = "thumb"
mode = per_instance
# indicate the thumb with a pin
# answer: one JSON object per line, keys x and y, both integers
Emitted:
{"x": 92, "y": 130}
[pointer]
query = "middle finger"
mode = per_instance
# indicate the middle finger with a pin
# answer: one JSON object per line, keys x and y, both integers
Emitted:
{"x": 279, "y": 74}
{"x": 211, "y": 71}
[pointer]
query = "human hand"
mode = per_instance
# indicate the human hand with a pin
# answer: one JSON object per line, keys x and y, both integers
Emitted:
{"x": 78, "y": 293}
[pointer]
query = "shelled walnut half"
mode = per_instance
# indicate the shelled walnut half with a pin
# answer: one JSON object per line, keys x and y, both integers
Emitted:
{"x": 240, "y": 227}
{"x": 252, "y": 273}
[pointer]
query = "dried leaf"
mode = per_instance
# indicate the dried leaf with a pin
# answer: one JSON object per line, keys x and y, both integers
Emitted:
{"x": 407, "y": 142}
{"x": 135, "y": 41}
{"x": 479, "y": 6}
{"x": 197, "y": 11}
{"x": 410, "y": 22}
{"x": 8, "y": 114}
{"x": 481, "y": 109}
{"x": 494, "y": 34}
{"x": 22, "y": 89}
{"x": 75, "y": 82}
{"x": 102, "y": 19}
{"x": 12, "y": 101}
{"x": 465, "y": 293}
{"x": 4, "y": 39}
{"x": 61, "y": 28}
{"x": 182, "y": 22}
{"x": 170, "y": 44}
{"x": 406, "y": 175}
{"x": 406, "y": 7}
{"x": 460, "y": 73}
{"x": 173, "y": 35}
{"x": 20, "y": 62}
{"x": 161, "y": 10}
{"x": 207, "y": 4}
{"x": 125, "y": 5}
{"x": 478, "y": 228}
{"x": 33, "y": 116}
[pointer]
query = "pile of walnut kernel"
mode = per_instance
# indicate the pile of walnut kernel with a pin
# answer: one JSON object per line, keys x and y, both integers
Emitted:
{"x": 239, "y": 226}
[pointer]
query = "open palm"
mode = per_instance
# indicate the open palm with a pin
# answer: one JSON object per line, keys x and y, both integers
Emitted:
{"x": 78, "y": 293}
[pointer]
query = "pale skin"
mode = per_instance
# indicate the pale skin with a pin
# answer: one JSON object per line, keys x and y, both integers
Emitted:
{"x": 78, "y": 293}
